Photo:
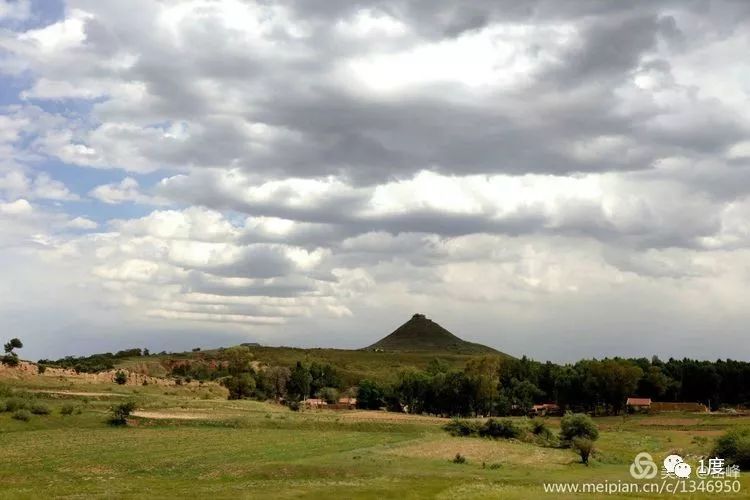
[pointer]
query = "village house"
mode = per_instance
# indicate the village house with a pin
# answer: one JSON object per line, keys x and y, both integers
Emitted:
{"x": 638, "y": 405}
{"x": 544, "y": 409}
{"x": 314, "y": 403}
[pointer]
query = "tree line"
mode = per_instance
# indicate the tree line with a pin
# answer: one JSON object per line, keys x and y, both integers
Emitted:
{"x": 495, "y": 386}
{"x": 488, "y": 385}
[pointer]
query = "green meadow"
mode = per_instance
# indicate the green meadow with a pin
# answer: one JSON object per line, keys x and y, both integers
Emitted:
{"x": 190, "y": 442}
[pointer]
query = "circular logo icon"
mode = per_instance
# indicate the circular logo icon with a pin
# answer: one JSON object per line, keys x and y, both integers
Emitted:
{"x": 682, "y": 470}
{"x": 643, "y": 466}
{"x": 671, "y": 462}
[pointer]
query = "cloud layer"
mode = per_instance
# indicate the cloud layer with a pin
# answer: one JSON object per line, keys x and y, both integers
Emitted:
{"x": 535, "y": 176}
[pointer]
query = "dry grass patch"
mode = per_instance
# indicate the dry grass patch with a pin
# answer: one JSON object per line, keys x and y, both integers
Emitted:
{"x": 388, "y": 417}
{"x": 176, "y": 415}
{"x": 485, "y": 450}
{"x": 670, "y": 422}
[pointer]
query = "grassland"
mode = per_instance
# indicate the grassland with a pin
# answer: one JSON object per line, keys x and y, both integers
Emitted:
{"x": 187, "y": 442}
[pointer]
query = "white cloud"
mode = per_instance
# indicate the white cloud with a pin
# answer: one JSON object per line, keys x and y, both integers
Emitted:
{"x": 82, "y": 223}
{"x": 18, "y": 207}
{"x": 127, "y": 190}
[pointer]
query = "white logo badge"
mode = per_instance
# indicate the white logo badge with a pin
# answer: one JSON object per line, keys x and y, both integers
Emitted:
{"x": 643, "y": 467}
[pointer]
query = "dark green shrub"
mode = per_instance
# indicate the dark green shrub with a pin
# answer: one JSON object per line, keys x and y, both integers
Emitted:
{"x": 39, "y": 409}
{"x": 120, "y": 413}
{"x": 40, "y": 368}
{"x": 458, "y": 427}
{"x": 329, "y": 394}
{"x": 539, "y": 428}
{"x": 734, "y": 447}
{"x": 67, "y": 409}
{"x": 22, "y": 415}
{"x": 584, "y": 447}
{"x": 14, "y": 404}
{"x": 505, "y": 429}
{"x": 575, "y": 425}
{"x": 10, "y": 359}
{"x": 370, "y": 395}
{"x": 121, "y": 377}
{"x": 459, "y": 459}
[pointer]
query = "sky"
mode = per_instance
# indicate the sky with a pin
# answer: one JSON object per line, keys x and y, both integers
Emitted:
{"x": 556, "y": 179}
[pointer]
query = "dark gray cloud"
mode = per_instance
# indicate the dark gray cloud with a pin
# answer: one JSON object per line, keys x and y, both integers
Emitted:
{"x": 223, "y": 85}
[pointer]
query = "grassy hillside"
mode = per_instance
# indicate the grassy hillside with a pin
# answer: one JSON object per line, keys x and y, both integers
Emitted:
{"x": 351, "y": 365}
{"x": 183, "y": 443}
{"x": 423, "y": 334}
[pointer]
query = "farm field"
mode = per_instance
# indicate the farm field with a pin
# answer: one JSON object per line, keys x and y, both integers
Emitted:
{"x": 191, "y": 442}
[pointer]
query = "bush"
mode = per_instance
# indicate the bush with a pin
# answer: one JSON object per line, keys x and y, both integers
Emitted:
{"x": 539, "y": 428}
{"x": 505, "y": 429}
{"x": 22, "y": 415}
{"x": 459, "y": 459}
{"x": 39, "y": 409}
{"x": 121, "y": 377}
{"x": 293, "y": 404}
{"x": 542, "y": 434}
{"x": 120, "y": 413}
{"x": 329, "y": 394}
{"x": 10, "y": 359}
{"x": 584, "y": 447}
{"x": 575, "y": 425}
{"x": 40, "y": 368}
{"x": 14, "y": 404}
{"x": 457, "y": 427}
{"x": 67, "y": 409}
{"x": 734, "y": 447}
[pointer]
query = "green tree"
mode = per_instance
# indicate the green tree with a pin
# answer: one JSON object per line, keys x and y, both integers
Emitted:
{"x": 522, "y": 394}
{"x": 654, "y": 383}
{"x": 240, "y": 386}
{"x": 584, "y": 447}
{"x": 11, "y": 358}
{"x": 734, "y": 447}
{"x": 577, "y": 425}
{"x": 369, "y": 395}
{"x": 329, "y": 394}
{"x": 298, "y": 386}
{"x": 13, "y": 343}
{"x": 613, "y": 380}
{"x": 238, "y": 359}
{"x": 120, "y": 413}
{"x": 485, "y": 377}
{"x": 274, "y": 380}
{"x": 411, "y": 389}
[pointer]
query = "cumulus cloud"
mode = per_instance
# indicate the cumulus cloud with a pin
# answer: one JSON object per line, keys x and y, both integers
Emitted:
{"x": 126, "y": 191}
{"x": 540, "y": 172}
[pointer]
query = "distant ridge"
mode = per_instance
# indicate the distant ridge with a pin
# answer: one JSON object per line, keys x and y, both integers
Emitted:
{"x": 422, "y": 334}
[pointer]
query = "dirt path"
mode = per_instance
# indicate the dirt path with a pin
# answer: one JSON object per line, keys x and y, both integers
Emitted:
{"x": 164, "y": 415}
{"x": 75, "y": 393}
